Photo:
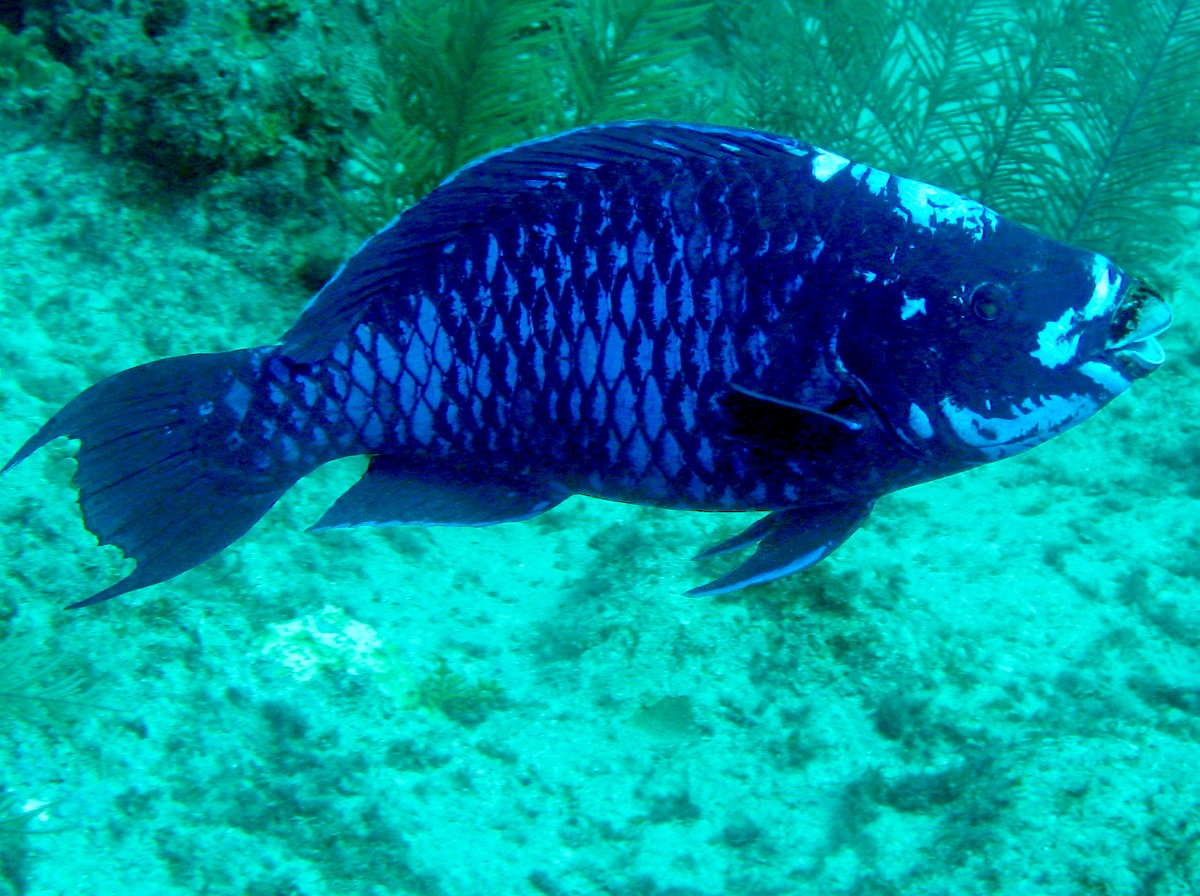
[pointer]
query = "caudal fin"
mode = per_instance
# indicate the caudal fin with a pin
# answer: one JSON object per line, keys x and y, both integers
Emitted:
{"x": 157, "y": 476}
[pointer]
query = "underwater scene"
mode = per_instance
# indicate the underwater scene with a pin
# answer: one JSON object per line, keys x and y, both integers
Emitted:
{"x": 992, "y": 686}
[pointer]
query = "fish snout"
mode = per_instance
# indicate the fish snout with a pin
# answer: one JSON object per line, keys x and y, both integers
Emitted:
{"x": 1141, "y": 315}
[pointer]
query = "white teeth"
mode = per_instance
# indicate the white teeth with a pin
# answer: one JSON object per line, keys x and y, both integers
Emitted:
{"x": 1147, "y": 351}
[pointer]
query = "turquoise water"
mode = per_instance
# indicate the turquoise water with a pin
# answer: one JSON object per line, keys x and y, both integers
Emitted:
{"x": 993, "y": 687}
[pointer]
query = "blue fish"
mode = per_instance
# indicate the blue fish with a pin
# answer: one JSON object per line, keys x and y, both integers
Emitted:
{"x": 674, "y": 315}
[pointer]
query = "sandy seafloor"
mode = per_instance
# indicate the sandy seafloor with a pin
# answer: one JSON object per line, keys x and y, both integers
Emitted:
{"x": 993, "y": 688}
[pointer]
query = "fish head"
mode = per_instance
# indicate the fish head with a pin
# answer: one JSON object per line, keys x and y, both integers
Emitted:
{"x": 995, "y": 345}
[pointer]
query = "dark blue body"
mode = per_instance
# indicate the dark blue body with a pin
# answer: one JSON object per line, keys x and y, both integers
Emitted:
{"x": 675, "y": 315}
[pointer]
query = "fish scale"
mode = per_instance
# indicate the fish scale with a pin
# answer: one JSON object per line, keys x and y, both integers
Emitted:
{"x": 676, "y": 315}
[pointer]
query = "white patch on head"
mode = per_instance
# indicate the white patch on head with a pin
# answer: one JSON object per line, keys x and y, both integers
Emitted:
{"x": 1031, "y": 424}
{"x": 1056, "y": 344}
{"x": 826, "y": 164}
{"x": 929, "y": 206}
{"x": 918, "y": 422}
{"x": 1104, "y": 297}
{"x": 1105, "y": 376}
{"x": 911, "y": 308}
{"x": 876, "y": 180}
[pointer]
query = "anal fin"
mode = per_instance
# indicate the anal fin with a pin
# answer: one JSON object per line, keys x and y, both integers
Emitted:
{"x": 788, "y": 541}
{"x": 397, "y": 492}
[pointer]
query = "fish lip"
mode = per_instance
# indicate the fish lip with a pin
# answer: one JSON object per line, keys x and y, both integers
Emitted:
{"x": 1140, "y": 316}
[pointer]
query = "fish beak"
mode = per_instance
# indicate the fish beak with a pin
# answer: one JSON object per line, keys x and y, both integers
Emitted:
{"x": 1141, "y": 315}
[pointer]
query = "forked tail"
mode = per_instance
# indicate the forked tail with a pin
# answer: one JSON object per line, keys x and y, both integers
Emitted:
{"x": 169, "y": 471}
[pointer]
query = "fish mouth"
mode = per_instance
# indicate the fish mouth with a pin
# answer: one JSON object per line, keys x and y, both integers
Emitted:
{"x": 1141, "y": 315}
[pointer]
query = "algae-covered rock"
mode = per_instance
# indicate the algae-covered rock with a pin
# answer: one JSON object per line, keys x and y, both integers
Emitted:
{"x": 196, "y": 88}
{"x": 29, "y": 75}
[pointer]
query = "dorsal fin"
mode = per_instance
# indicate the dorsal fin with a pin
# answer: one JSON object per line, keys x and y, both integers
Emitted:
{"x": 397, "y": 258}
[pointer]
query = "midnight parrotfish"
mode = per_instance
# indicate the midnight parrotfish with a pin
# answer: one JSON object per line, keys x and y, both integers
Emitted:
{"x": 674, "y": 315}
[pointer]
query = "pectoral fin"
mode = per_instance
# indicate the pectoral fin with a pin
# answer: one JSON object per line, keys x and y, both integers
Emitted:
{"x": 844, "y": 413}
{"x": 788, "y": 541}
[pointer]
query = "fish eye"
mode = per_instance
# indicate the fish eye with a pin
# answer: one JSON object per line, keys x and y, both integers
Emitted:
{"x": 988, "y": 301}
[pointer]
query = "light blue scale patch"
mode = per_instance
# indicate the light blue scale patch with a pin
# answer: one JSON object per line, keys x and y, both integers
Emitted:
{"x": 416, "y": 364}
{"x": 387, "y": 358}
{"x": 421, "y": 422}
{"x": 642, "y": 254}
{"x": 310, "y": 391}
{"x": 407, "y": 393}
{"x": 341, "y": 384}
{"x": 432, "y": 393}
{"x": 357, "y": 407}
{"x": 427, "y": 320}
{"x": 290, "y": 451}
{"x": 624, "y": 407}
{"x": 637, "y": 453}
{"x": 672, "y": 350}
{"x": 373, "y": 432}
{"x": 443, "y": 357}
{"x": 612, "y": 449}
{"x": 600, "y": 407}
{"x": 493, "y": 256}
{"x": 658, "y": 308}
{"x": 670, "y": 455}
{"x": 362, "y": 373}
{"x": 538, "y": 363}
{"x": 483, "y": 377}
{"x": 614, "y": 355}
{"x": 643, "y": 355}
{"x": 627, "y": 300}
{"x": 687, "y": 410}
{"x": 652, "y": 408}
{"x": 237, "y": 399}
{"x": 510, "y": 372}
